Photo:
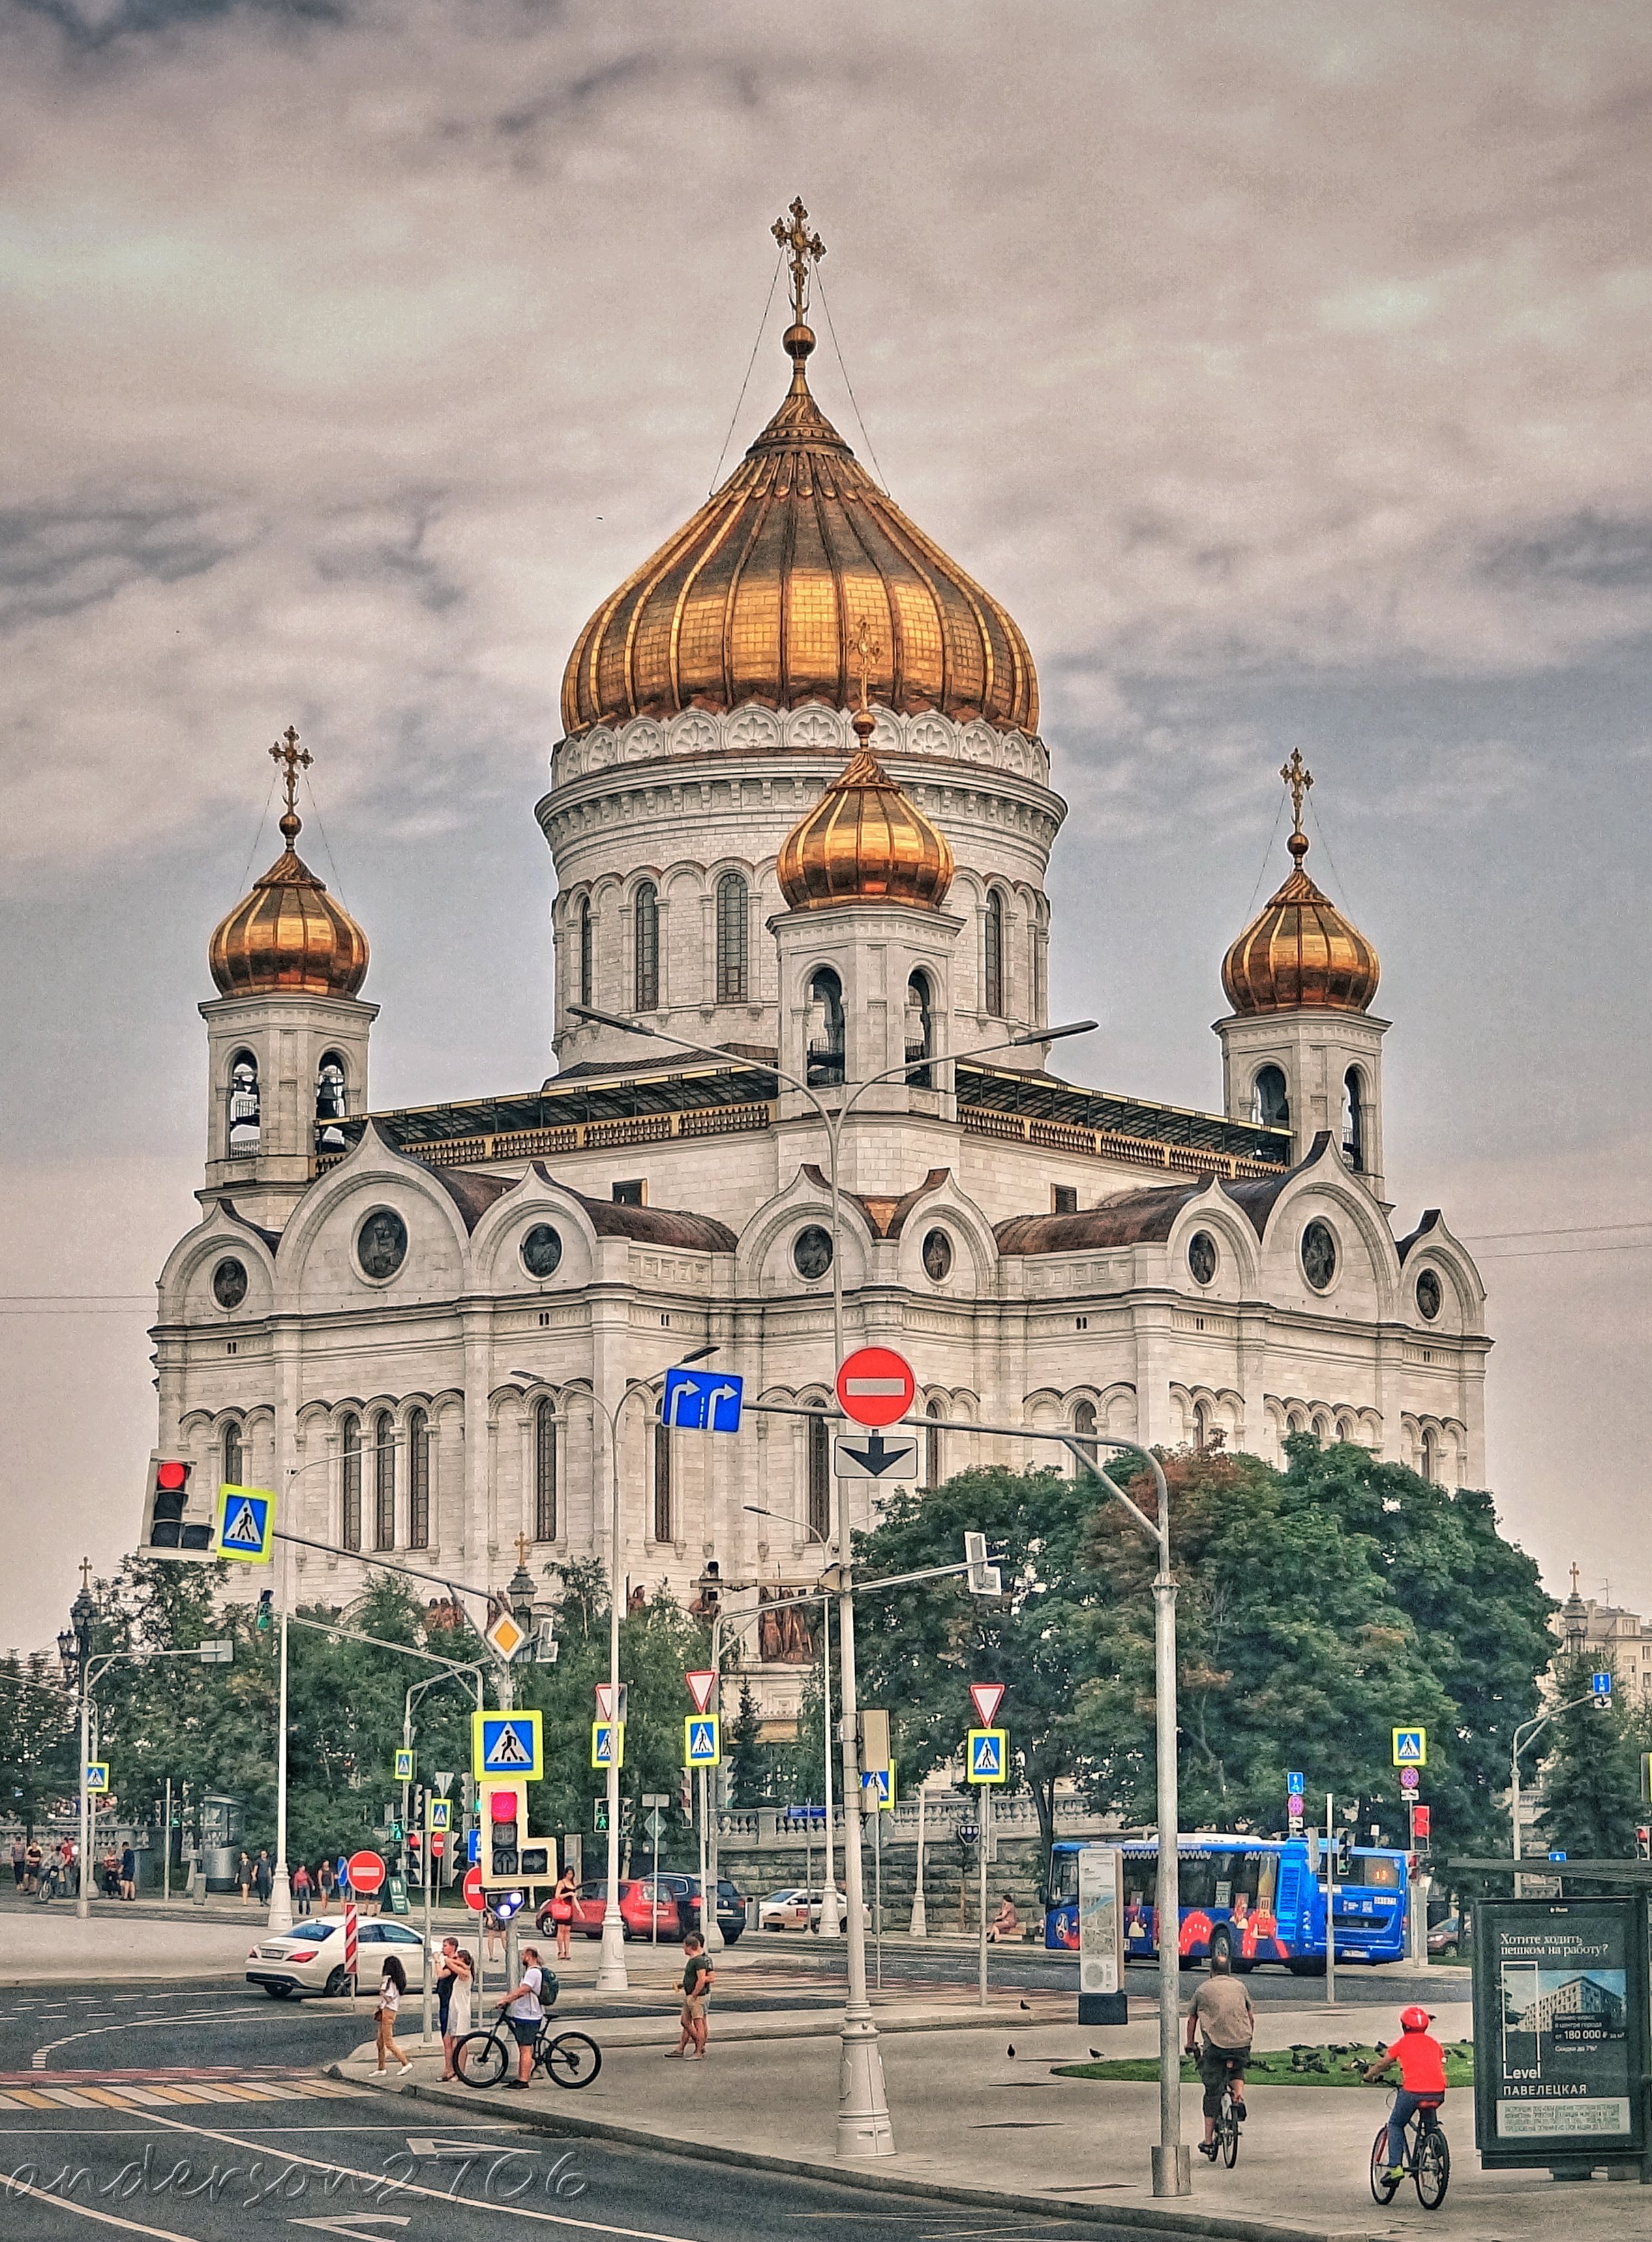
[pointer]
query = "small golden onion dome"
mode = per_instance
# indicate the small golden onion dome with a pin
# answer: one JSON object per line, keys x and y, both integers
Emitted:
{"x": 864, "y": 840}
{"x": 1299, "y": 953}
{"x": 289, "y": 934}
{"x": 757, "y": 598}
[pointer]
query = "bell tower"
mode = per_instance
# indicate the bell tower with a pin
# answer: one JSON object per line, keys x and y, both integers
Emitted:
{"x": 287, "y": 1035}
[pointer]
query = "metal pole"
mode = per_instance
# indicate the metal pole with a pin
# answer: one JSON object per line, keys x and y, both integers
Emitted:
{"x": 1171, "y": 2162}
{"x": 611, "y": 1975}
{"x": 877, "y": 1888}
{"x": 653, "y": 1889}
{"x": 701, "y": 1772}
{"x": 1513, "y": 1808}
{"x": 919, "y": 1926}
{"x": 984, "y": 1816}
{"x": 167, "y": 1857}
{"x": 1330, "y": 1900}
{"x": 83, "y": 1901}
{"x": 831, "y": 1921}
{"x": 427, "y": 2004}
{"x": 280, "y": 1888}
{"x": 710, "y": 1929}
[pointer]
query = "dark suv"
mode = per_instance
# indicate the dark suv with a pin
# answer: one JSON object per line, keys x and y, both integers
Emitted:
{"x": 731, "y": 1908}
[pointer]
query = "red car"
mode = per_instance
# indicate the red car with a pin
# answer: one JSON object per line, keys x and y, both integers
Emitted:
{"x": 639, "y": 1909}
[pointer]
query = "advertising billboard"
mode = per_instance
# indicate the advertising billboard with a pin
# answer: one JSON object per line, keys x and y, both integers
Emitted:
{"x": 1101, "y": 1935}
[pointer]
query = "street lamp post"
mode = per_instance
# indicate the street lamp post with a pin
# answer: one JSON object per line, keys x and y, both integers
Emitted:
{"x": 1523, "y": 1735}
{"x": 863, "y": 2127}
{"x": 74, "y": 1648}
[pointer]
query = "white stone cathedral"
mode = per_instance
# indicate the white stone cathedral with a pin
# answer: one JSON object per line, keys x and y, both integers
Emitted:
{"x": 400, "y": 1320}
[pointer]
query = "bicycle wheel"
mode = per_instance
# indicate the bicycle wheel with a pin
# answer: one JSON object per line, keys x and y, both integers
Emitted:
{"x": 1433, "y": 2168}
{"x": 480, "y": 2059}
{"x": 1227, "y": 2129}
{"x": 570, "y": 2059}
{"x": 1382, "y": 2190}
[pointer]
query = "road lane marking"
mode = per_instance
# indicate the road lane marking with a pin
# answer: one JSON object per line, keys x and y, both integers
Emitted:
{"x": 37, "y": 2061}
{"x": 85, "y": 2211}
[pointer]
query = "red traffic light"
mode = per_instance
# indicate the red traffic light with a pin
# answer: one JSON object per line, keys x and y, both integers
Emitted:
{"x": 170, "y": 1475}
{"x": 501, "y": 1804}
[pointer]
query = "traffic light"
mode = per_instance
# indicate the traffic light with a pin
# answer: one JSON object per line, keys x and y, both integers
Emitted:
{"x": 169, "y": 1530}
{"x": 265, "y": 1613}
{"x": 504, "y": 1826}
{"x": 984, "y": 1579}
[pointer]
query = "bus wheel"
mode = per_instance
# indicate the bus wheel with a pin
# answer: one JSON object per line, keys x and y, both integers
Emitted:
{"x": 1222, "y": 1944}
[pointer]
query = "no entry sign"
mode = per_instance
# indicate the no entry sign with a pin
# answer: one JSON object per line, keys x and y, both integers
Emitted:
{"x": 367, "y": 1872}
{"x": 471, "y": 1889}
{"x": 876, "y": 1386}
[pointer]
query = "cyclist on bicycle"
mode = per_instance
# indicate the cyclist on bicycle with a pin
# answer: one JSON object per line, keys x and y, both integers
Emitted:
{"x": 1223, "y": 2007}
{"x": 1421, "y": 2061}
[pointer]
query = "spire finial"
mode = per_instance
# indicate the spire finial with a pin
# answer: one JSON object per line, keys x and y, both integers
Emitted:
{"x": 1573, "y": 1580}
{"x": 1298, "y": 778}
{"x": 287, "y": 750}
{"x": 523, "y": 1545}
{"x": 803, "y": 249}
{"x": 85, "y": 1574}
{"x": 868, "y": 651}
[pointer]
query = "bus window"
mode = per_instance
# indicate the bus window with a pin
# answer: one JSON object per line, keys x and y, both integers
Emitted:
{"x": 1378, "y": 1870}
{"x": 1064, "y": 1878}
{"x": 1198, "y": 1880}
{"x": 1265, "y": 1866}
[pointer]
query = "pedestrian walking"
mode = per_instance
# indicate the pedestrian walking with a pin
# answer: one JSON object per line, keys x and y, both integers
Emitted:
{"x": 112, "y": 1873}
{"x": 562, "y": 1914}
{"x": 32, "y": 1860}
{"x": 697, "y": 1976}
{"x": 525, "y": 2013}
{"x": 263, "y": 1877}
{"x": 452, "y": 1999}
{"x": 19, "y": 1861}
{"x": 493, "y": 1935}
{"x": 301, "y": 1889}
{"x": 244, "y": 1876}
{"x": 129, "y": 1873}
{"x": 391, "y": 1986}
{"x": 324, "y": 1882}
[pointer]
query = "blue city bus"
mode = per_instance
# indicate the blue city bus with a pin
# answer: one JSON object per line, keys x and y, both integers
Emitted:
{"x": 1254, "y": 1899}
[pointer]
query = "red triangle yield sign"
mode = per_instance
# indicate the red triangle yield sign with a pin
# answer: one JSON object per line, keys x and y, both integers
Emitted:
{"x": 701, "y": 1685}
{"x": 986, "y": 1697}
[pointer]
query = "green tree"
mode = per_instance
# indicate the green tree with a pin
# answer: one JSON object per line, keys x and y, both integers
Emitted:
{"x": 1591, "y": 1779}
{"x": 750, "y": 1771}
{"x": 39, "y": 1742}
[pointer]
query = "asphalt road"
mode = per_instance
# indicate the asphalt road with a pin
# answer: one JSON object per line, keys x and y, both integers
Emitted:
{"x": 172, "y": 2169}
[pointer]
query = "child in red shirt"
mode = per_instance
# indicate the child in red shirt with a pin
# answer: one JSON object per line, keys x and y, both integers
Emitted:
{"x": 1421, "y": 2061}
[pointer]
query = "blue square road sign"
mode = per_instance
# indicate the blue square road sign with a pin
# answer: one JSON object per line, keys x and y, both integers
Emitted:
{"x": 702, "y": 1400}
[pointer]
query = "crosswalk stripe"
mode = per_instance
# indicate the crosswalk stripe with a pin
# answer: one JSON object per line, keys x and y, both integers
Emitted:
{"x": 66, "y": 2099}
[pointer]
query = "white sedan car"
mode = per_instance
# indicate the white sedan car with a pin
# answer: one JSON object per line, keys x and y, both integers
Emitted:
{"x": 309, "y": 1958}
{"x": 795, "y": 1909}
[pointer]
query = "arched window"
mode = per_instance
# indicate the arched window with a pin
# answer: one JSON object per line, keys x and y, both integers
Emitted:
{"x": 349, "y": 1506}
{"x": 232, "y": 1454}
{"x": 993, "y": 980}
{"x": 732, "y": 915}
{"x": 419, "y": 1480}
{"x": 1201, "y": 1425}
{"x": 1083, "y": 1424}
{"x": 932, "y": 1442}
{"x": 820, "y": 1480}
{"x": 662, "y": 1519}
{"x": 384, "y": 1482}
{"x": 587, "y": 957}
{"x": 920, "y": 1032}
{"x": 331, "y": 1102}
{"x": 1353, "y": 1120}
{"x": 244, "y": 1105}
{"x": 1431, "y": 1455}
{"x": 644, "y": 936}
{"x": 1270, "y": 1100}
{"x": 545, "y": 1470}
{"x": 1296, "y": 1422}
{"x": 1035, "y": 978}
{"x": 825, "y": 1052}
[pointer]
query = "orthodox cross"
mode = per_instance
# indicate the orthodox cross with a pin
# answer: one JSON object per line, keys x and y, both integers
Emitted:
{"x": 802, "y": 249}
{"x": 1298, "y": 778}
{"x": 85, "y": 1574}
{"x": 1573, "y": 1580}
{"x": 869, "y": 652}
{"x": 523, "y": 1545}
{"x": 287, "y": 750}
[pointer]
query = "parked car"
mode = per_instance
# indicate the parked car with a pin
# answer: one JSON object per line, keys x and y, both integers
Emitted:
{"x": 1448, "y": 1931}
{"x": 797, "y": 1909}
{"x": 309, "y": 1958}
{"x": 731, "y": 1907}
{"x": 640, "y": 1907}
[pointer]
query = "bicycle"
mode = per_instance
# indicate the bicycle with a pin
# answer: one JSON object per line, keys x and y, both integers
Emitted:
{"x": 1428, "y": 2158}
{"x": 568, "y": 2059}
{"x": 1228, "y": 2119}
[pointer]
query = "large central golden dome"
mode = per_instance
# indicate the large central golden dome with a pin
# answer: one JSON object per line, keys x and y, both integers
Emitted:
{"x": 759, "y": 598}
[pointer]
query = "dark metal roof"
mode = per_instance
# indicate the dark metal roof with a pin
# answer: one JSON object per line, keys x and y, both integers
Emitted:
{"x": 1045, "y": 1097}
{"x": 595, "y": 1097}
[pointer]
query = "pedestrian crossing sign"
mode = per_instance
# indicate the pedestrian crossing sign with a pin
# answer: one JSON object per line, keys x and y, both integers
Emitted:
{"x": 1411, "y": 1746}
{"x": 438, "y": 1816}
{"x": 404, "y": 1767}
{"x": 506, "y": 1744}
{"x": 97, "y": 1774}
{"x": 702, "y": 1741}
{"x": 608, "y": 1743}
{"x": 878, "y": 1790}
{"x": 989, "y": 1750}
{"x": 245, "y": 1524}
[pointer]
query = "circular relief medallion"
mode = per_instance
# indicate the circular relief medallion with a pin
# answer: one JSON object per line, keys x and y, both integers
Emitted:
{"x": 937, "y": 1255}
{"x": 542, "y": 1250}
{"x": 1428, "y": 1294}
{"x": 1201, "y": 1256}
{"x": 382, "y": 1244}
{"x": 1318, "y": 1254}
{"x": 811, "y": 1253}
{"x": 229, "y": 1284}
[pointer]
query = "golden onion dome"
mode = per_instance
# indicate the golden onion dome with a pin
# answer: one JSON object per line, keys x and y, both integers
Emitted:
{"x": 288, "y": 934}
{"x": 864, "y": 840}
{"x": 1299, "y": 953}
{"x": 758, "y": 596}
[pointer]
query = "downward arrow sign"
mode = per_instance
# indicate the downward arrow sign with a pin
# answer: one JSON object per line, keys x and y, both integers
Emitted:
{"x": 879, "y": 1455}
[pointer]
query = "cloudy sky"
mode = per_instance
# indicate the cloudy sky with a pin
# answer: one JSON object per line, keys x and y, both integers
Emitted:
{"x": 1282, "y": 367}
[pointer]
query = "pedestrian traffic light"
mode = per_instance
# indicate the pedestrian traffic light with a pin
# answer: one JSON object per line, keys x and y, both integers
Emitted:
{"x": 504, "y": 1824}
{"x": 169, "y": 1530}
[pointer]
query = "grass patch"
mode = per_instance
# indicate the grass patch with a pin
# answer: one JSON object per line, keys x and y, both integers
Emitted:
{"x": 1333, "y": 2065}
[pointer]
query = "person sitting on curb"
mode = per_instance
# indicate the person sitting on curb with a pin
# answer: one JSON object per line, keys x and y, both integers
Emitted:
{"x": 1224, "y": 2007}
{"x": 525, "y": 2013}
{"x": 1005, "y": 1924}
{"x": 697, "y": 1976}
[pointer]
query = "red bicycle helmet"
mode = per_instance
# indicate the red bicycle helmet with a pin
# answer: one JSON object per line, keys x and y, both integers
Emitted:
{"x": 1414, "y": 2020}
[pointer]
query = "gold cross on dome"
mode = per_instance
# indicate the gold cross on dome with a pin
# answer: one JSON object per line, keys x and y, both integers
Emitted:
{"x": 1298, "y": 778}
{"x": 803, "y": 249}
{"x": 868, "y": 651}
{"x": 287, "y": 750}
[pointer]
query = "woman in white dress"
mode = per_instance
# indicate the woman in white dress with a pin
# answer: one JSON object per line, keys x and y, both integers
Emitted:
{"x": 455, "y": 1978}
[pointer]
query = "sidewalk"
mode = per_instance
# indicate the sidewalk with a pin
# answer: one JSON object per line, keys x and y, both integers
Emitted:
{"x": 975, "y": 2122}
{"x": 41, "y": 1946}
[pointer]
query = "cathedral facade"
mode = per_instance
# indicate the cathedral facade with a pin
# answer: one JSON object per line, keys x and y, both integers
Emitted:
{"x": 800, "y": 820}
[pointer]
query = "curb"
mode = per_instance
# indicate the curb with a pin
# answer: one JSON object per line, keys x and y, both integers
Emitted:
{"x": 1236, "y": 2226}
